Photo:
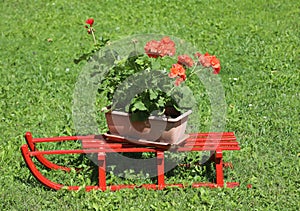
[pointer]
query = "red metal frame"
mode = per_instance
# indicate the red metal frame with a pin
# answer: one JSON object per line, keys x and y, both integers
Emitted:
{"x": 216, "y": 143}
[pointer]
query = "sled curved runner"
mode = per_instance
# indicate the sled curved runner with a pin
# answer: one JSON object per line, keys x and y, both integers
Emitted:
{"x": 216, "y": 143}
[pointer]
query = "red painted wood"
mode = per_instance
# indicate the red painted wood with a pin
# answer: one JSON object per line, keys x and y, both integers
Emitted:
{"x": 41, "y": 158}
{"x": 219, "y": 167}
{"x": 102, "y": 170}
{"x": 160, "y": 169}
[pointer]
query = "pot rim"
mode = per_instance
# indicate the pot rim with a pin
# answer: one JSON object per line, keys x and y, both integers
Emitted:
{"x": 168, "y": 119}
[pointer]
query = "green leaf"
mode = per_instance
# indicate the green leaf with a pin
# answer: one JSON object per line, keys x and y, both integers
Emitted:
{"x": 139, "y": 106}
{"x": 161, "y": 102}
{"x": 153, "y": 94}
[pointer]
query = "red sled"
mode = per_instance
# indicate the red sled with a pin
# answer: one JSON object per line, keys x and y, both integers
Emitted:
{"x": 103, "y": 144}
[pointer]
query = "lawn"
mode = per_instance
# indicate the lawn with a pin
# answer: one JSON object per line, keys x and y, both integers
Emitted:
{"x": 258, "y": 46}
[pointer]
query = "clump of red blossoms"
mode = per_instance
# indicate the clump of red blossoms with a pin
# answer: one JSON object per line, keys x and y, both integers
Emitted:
{"x": 166, "y": 47}
{"x": 177, "y": 70}
{"x": 207, "y": 60}
{"x": 185, "y": 60}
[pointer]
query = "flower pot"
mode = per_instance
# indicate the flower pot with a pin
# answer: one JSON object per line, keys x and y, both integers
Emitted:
{"x": 158, "y": 129}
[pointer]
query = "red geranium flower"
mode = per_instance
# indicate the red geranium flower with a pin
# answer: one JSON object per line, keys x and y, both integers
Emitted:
{"x": 215, "y": 63}
{"x": 164, "y": 47}
{"x": 185, "y": 60}
{"x": 151, "y": 48}
{"x": 167, "y": 47}
{"x": 207, "y": 60}
{"x": 90, "y": 29}
{"x": 204, "y": 59}
{"x": 90, "y": 21}
{"x": 177, "y": 70}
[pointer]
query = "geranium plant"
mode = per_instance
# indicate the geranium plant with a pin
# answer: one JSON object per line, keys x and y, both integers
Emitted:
{"x": 148, "y": 82}
{"x": 151, "y": 82}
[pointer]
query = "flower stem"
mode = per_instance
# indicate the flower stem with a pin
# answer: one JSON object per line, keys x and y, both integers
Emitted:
{"x": 92, "y": 30}
{"x": 193, "y": 71}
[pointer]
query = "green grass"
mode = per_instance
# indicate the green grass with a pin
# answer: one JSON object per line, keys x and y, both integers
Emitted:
{"x": 258, "y": 45}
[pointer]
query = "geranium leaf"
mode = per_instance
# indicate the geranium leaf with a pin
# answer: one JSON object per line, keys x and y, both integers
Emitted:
{"x": 153, "y": 94}
{"x": 161, "y": 102}
{"x": 140, "y": 106}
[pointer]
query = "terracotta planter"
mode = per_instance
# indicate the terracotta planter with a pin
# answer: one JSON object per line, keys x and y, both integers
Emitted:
{"x": 158, "y": 129}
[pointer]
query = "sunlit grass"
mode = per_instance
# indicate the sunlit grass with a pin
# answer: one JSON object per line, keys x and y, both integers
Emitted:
{"x": 258, "y": 45}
